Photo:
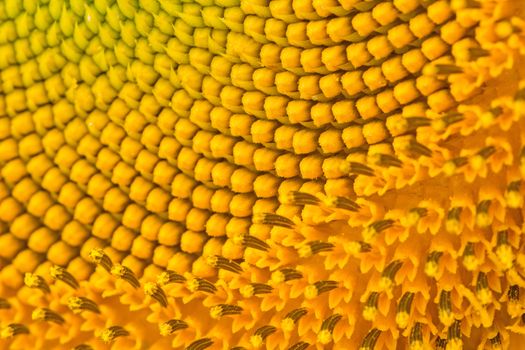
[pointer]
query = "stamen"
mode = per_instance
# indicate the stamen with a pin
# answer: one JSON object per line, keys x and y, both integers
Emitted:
{"x": 477, "y": 52}
{"x": 221, "y": 310}
{"x": 220, "y": 262}
{"x": 482, "y": 216}
{"x": 513, "y": 195}
{"x": 315, "y": 247}
{"x": 290, "y": 320}
{"x": 496, "y": 341}
{"x": 504, "y": 250}
{"x": 12, "y": 330}
{"x": 482, "y": 289}
{"x": 83, "y": 347}
{"x": 342, "y": 203}
{"x": 273, "y": 220}
{"x": 454, "y": 336}
{"x": 452, "y": 223}
{"x": 171, "y": 326}
{"x": 469, "y": 259}
{"x": 375, "y": 228}
{"x": 155, "y": 291}
{"x": 318, "y": 288}
{"x": 47, "y": 315}
{"x": 99, "y": 257}
{"x": 445, "y": 308}
{"x": 300, "y": 198}
{"x": 299, "y": 346}
{"x": 255, "y": 289}
{"x": 286, "y": 274}
{"x": 60, "y": 273}
{"x": 110, "y": 334}
{"x": 327, "y": 328}
{"x": 168, "y": 277}
{"x": 251, "y": 242}
{"x": 370, "y": 340}
{"x": 79, "y": 304}
{"x": 432, "y": 264}
{"x": 4, "y": 304}
{"x": 356, "y": 168}
{"x": 370, "y": 309}
{"x": 201, "y": 285}
{"x": 447, "y": 120}
{"x": 126, "y": 274}
{"x": 415, "y": 214}
{"x": 483, "y": 154}
{"x": 419, "y": 149}
{"x": 441, "y": 343}
{"x": 260, "y": 335}
{"x": 450, "y": 167}
{"x": 403, "y": 310}
{"x": 389, "y": 273}
{"x": 35, "y": 281}
{"x": 446, "y": 69}
{"x": 387, "y": 160}
{"x": 416, "y": 337}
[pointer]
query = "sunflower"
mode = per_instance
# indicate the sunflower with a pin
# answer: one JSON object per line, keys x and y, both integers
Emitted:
{"x": 256, "y": 174}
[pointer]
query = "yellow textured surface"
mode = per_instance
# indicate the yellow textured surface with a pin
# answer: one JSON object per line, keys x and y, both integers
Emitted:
{"x": 256, "y": 174}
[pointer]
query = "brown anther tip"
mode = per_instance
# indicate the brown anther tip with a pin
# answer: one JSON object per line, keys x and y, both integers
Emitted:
{"x": 200, "y": 344}
{"x": 299, "y": 346}
{"x": 61, "y": 274}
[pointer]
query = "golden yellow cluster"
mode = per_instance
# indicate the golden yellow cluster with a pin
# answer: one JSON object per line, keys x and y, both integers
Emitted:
{"x": 262, "y": 174}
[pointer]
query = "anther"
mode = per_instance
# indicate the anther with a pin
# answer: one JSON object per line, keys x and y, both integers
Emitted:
{"x": 445, "y": 308}
{"x": 250, "y": 241}
{"x": 496, "y": 341}
{"x": 403, "y": 310}
{"x": 419, "y": 149}
{"x": 83, "y": 347}
{"x": 47, "y": 315}
{"x": 513, "y": 195}
{"x": 126, "y": 274}
{"x": 454, "y": 336}
{"x": 273, "y": 220}
{"x": 200, "y": 344}
{"x": 290, "y": 320}
{"x": 356, "y": 168}
{"x": 415, "y": 214}
{"x": 342, "y": 203}
{"x": 168, "y": 277}
{"x": 35, "y": 281}
{"x": 222, "y": 263}
{"x": 477, "y": 52}
{"x": 370, "y": 340}
{"x": 99, "y": 257}
{"x": 61, "y": 274}
{"x": 432, "y": 263}
{"x": 171, "y": 326}
{"x": 447, "y": 69}
{"x": 452, "y": 223}
{"x": 286, "y": 274}
{"x": 370, "y": 309}
{"x": 79, "y": 304}
{"x": 12, "y": 330}
{"x": 375, "y": 228}
{"x": 327, "y": 328}
{"x": 504, "y": 250}
{"x": 415, "y": 339}
{"x": 450, "y": 167}
{"x": 482, "y": 289}
{"x": 221, "y": 310}
{"x": 4, "y": 304}
{"x": 478, "y": 160}
{"x": 155, "y": 291}
{"x": 389, "y": 273}
{"x": 318, "y": 288}
{"x": 447, "y": 120}
{"x": 469, "y": 259}
{"x": 315, "y": 247}
{"x": 300, "y": 198}
{"x": 387, "y": 160}
{"x": 482, "y": 216}
{"x": 441, "y": 343}
{"x": 299, "y": 346}
{"x": 255, "y": 289}
{"x": 201, "y": 285}
{"x": 110, "y": 334}
{"x": 260, "y": 335}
